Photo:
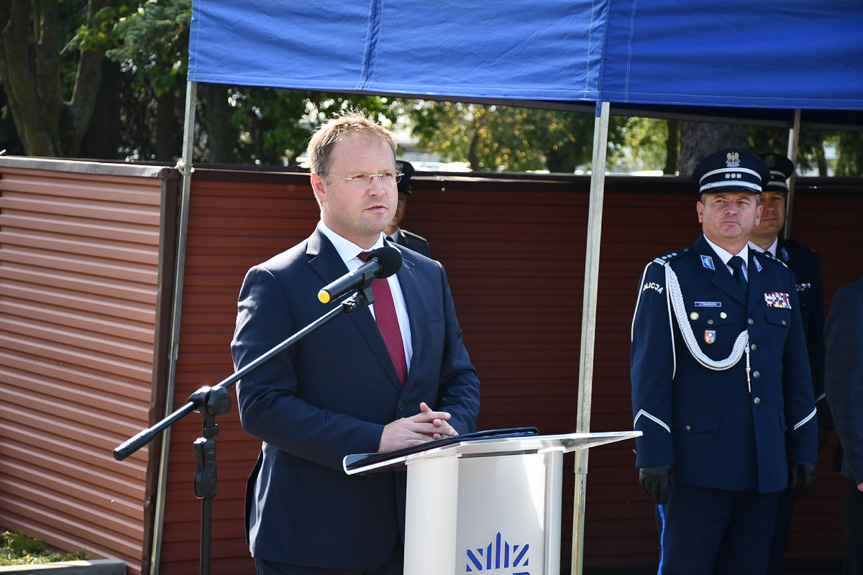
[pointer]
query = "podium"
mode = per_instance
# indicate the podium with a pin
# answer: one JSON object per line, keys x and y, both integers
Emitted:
{"x": 484, "y": 502}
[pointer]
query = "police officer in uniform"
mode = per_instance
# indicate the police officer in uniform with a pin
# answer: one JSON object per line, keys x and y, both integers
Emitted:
{"x": 393, "y": 232}
{"x": 721, "y": 387}
{"x": 806, "y": 265}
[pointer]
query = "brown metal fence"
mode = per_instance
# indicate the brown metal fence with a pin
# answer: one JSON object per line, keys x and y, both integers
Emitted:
{"x": 80, "y": 364}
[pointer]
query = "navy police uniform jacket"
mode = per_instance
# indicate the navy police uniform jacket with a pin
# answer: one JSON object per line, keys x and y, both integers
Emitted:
{"x": 412, "y": 241}
{"x": 691, "y": 399}
{"x": 806, "y": 265}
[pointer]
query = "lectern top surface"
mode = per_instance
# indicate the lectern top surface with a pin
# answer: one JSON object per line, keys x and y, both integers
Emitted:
{"x": 483, "y": 443}
{"x": 357, "y": 461}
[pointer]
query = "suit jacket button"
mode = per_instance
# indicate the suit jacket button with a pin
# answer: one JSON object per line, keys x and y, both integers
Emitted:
{"x": 757, "y": 401}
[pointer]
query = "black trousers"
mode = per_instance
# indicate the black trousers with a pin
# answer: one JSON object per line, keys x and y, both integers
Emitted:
{"x": 715, "y": 532}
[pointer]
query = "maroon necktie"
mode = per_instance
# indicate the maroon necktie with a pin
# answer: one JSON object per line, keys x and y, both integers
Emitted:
{"x": 388, "y": 323}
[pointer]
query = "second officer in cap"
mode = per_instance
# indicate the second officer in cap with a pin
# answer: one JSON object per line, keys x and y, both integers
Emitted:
{"x": 393, "y": 232}
{"x": 721, "y": 387}
{"x": 806, "y": 265}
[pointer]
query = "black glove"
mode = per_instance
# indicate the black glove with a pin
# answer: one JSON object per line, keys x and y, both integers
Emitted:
{"x": 656, "y": 480}
{"x": 802, "y": 476}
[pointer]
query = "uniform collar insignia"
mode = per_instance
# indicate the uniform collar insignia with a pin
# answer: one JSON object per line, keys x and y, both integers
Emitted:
{"x": 757, "y": 263}
{"x": 707, "y": 262}
{"x": 785, "y": 256}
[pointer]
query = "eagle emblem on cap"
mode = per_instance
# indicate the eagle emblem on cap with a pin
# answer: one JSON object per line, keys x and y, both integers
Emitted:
{"x": 732, "y": 159}
{"x": 770, "y": 159}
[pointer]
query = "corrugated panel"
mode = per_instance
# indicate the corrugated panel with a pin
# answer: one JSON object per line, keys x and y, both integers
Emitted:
{"x": 79, "y": 272}
{"x": 514, "y": 254}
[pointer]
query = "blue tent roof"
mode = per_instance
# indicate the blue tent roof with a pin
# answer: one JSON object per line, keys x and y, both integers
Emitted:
{"x": 736, "y": 53}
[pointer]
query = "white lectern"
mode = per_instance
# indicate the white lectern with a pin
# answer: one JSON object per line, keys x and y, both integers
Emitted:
{"x": 484, "y": 502}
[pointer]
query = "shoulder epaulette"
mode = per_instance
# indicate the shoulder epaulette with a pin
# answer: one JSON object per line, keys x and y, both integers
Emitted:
{"x": 771, "y": 257}
{"x": 663, "y": 260}
{"x": 413, "y": 235}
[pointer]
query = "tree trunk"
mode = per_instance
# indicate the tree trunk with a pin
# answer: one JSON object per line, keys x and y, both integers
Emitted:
{"x": 216, "y": 115}
{"x": 103, "y": 135}
{"x": 31, "y": 75}
{"x": 672, "y": 143}
{"x": 700, "y": 139}
{"x": 166, "y": 127}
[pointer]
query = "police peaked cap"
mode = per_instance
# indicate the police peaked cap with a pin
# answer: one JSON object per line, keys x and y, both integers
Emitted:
{"x": 731, "y": 170}
{"x": 407, "y": 171}
{"x": 781, "y": 169}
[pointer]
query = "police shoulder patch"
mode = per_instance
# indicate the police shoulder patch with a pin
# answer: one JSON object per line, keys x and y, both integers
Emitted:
{"x": 770, "y": 257}
{"x": 671, "y": 256}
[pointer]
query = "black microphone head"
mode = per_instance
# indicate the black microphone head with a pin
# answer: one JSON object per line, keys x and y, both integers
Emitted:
{"x": 390, "y": 260}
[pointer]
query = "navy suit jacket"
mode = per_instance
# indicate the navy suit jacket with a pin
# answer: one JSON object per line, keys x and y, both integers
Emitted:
{"x": 844, "y": 374}
{"x": 704, "y": 420}
{"x": 331, "y": 395}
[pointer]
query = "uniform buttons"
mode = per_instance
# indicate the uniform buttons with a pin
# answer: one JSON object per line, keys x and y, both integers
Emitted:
{"x": 723, "y": 315}
{"x": 751, "y": 321}
{"x": 783, "y": 322}
{"x": 401, "y": 407}
{"x": 757, "y": 401}
{"x": 753, "y": 347}
{"x": 756, "y": 374}
{"x": 710, "y": 322}
{"x": 687, "y": 428}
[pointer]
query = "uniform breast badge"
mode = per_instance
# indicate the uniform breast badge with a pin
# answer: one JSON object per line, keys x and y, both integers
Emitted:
{"x": 777, "y": 299}
{"x": 709, "y": 336}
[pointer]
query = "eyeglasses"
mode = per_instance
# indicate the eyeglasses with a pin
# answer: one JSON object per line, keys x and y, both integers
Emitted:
{"x": 365, "y": 180}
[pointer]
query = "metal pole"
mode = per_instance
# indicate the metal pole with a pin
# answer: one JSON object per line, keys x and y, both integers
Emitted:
{"x": 588, "y": 326}
{"x": 184, "y": 165}
{"x": 793, "y": 143}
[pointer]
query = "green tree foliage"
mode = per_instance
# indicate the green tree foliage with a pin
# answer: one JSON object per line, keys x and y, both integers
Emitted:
{"x": 107, "y": 78}
{"x": 503, "y": 138}
{"x": 275, "y": 125}
{"x": 154, "y": 42}
{"x": 637, "y": 143}
{"x": 850, "y": 151}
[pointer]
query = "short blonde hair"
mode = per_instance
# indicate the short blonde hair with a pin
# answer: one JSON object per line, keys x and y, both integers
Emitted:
{"x": 344, "y": 125}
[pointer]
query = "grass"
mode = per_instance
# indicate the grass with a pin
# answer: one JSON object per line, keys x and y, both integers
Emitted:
{"x": 20, "y": 549}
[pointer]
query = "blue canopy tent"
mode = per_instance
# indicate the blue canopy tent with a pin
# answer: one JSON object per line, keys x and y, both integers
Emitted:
{"x": 784, "y": 63}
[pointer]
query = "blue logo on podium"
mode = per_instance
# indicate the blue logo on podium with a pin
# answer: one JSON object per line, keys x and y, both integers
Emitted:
{"x": 499, "y": 555}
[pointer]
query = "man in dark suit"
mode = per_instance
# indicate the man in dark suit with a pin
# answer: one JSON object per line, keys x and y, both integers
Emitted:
{"x": 393, "y": 232}
{"x": 844, "y": 384}
{"x": 339, "y": 390}
{"x": 720, "y": 383}
{"x": 806, "y": 265}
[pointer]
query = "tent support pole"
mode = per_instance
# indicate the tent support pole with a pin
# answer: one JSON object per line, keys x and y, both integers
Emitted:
{"x": 588, "y": 326}
{"x": 184, "y": 165}
{"x": 793, "y": 144}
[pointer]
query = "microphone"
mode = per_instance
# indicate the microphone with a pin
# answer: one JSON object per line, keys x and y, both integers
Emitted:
{"x": 381, "y": 263}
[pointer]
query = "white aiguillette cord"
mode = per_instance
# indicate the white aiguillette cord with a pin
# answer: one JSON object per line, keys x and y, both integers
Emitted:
{"x": 741, "y": 345}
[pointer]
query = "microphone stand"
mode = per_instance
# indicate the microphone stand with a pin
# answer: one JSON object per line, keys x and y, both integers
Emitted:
{"x": 215, "y": 400}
